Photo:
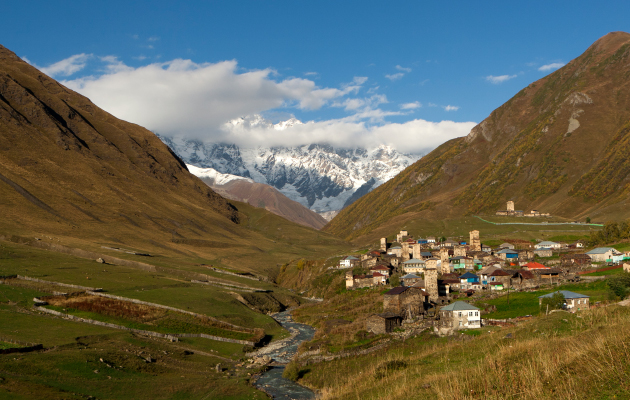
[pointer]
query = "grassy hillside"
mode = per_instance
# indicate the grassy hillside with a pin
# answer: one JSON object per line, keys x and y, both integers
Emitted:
{"x": 557, "y": 146}
{"x": 562, "y": 355}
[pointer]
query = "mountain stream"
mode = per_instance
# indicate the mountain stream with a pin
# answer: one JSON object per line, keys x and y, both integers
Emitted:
{"x": 272, "y": 382}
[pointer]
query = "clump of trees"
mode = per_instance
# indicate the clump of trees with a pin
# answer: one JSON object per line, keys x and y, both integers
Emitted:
{"x": 619, "y": 285}
{"x": 612, "y": 232}
{"x": 555, "y": 302}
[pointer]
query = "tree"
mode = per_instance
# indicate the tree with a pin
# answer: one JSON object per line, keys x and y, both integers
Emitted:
{"x": 588, "y": 220}
{"x": 555, "y": 302}
{"x": 394, "y": 280}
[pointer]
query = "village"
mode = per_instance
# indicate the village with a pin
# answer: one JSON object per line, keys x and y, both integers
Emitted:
{"x": 431, "y": 277}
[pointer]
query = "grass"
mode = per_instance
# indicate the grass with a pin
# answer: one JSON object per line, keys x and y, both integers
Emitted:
{"x": 526, "y": 303}
{"x": 615, "y": 271}
{"x": 538, "y": 362}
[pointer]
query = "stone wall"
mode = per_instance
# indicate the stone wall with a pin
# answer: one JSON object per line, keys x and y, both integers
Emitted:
{"x": 173, "y": 337}
{"x": 87, "y": 288}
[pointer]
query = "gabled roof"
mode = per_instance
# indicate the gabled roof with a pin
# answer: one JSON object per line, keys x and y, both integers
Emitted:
{"x": 525, "y": 274}
{"x": 377, "y": 274}
{"x": 468, "y": 275}
{"x": 387, "y": 315}
{"x": 507, "y": 251}
{"x": 535, "y": 265}
{"x": 600, "y": 250}
{"x": 567, "y": 295}
{"x": 506, "y": 244}
{"x": 379, "y": 268}
{"x": 410, "y": 276}
{"x": 499, "y": 272}
{"x": 350, "y": 258}
{"x": 397, "y": 290}
{"x": 426, "y": 254}
{"x": 414, "y": 261}
{"x": 459, "y": 306}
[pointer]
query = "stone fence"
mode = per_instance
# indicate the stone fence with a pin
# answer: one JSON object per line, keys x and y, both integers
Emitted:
{"x": 86, "y": 288}
{"x": 228, "y": 286}
{"x": 173, "y": 337}
{"x": 194, "y": 314}
{"x": 254, "y": 278}
{"x": 321, "y": 358}
{"x": 23, "y": 346}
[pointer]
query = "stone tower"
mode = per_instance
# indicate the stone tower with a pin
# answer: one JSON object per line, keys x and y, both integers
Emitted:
{"x": 459, "y": 251}
{"x": 398, "y": 237}
{"x": 510, "y": 206}
{"x": 405, "y": 251}
{"x": 417, "y": 251}
{"x": 430, "y": 279}
{"x": 383, "y": 244}
{"x": 349, "y": 279}
{"x": 444, "y": 257}
{"x": 475, "y": 242}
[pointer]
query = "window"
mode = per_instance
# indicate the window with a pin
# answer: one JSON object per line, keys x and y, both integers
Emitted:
{"x": 476, "y": 313}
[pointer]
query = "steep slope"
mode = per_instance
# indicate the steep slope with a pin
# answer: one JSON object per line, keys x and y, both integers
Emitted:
{"x": 258, "y": 195}
{"x": 320, "y": 177}
{"x": 560, "y": 146}
{"x": 72, "y": 172}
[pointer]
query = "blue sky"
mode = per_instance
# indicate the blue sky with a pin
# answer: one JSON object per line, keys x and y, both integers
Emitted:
{"x": 360, "y": 71}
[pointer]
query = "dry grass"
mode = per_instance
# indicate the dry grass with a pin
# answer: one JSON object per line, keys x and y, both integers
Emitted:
{"x": 105, "y": 306}
{"x": 559, "y": 356}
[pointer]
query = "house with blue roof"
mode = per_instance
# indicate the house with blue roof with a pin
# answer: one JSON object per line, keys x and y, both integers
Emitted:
{"x": 603, "y": 254}
{"x": 573, "y": 302}
{"x": 469, "y": 281}
{"x": 508, "y": 254}
{"x": 460, "y": 315}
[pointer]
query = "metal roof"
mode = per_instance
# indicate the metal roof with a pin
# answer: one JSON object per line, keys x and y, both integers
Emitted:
{"x": 567, "y": 295}
{"x": 600, "y": 250}
{"x": 468, "y": 275}
{"x": 459, "y": 306}
{"x": 414, "y": 261}
{"x": 410, "y": 276}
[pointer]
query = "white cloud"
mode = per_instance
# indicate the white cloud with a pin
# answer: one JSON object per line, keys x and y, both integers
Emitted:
{"x": 394, "y": 77}
{"x": 432, "y": 105}
{"x": 68, "y": 66}
{"x": 417, "y": 136}
{"x": 311, "y": 73}
{"x": 550, "y": 67}
{"x": 411, "y": 106}
{"x": 398, "y": 67}
{"x": 451, "y": 108}
{"x": 360, "y": 80}
{"x": 182, "y": 97}
{"x": 153, "y": 39}
{"x": 499, "y": 79}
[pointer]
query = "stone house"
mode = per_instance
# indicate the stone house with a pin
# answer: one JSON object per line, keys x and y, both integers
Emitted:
{"x": 410, "y": 279}
{"x": 501, "y": 276}
{"x": 525, "y": 254}
{"x": 379, "y": 279}
{"x": 382, "y": 323}
{"x": 369, "y": 262}
{"x": 381, "y": 269}
{"x": 524, "y": 279}
{"x": 573, "y": 302}
{"x": 396, "y": 250}
{"x": 406, "y": 301}
{"x": 575, "y": 260}
{"x": 460, "y": 315}
{"x": 507, "y": 254}
{"x": 543, "y": 252}
{"x": 506, "y": 245}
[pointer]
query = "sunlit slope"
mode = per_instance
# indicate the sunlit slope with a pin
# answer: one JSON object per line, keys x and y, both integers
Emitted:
{"x": 558, "y": 146}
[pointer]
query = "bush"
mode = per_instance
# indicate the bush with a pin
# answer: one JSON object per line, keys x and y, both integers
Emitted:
{"x": 291, "y": 372}
{"x": 619, "y": 285}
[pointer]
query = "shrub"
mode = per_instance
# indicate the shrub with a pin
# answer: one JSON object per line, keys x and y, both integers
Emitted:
{"x": 619, "y": 285}
{"x": 291, "y": 371}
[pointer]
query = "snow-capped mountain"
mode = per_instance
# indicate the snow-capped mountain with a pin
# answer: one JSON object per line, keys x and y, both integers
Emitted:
{"x": 319, "y": 176}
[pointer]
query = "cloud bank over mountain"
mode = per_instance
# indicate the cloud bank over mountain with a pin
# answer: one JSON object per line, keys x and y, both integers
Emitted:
{"x": 196, "y": 101}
